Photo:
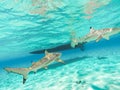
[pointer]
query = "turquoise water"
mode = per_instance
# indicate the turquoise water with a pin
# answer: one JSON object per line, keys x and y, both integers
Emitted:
{"x": 30, "y": 25}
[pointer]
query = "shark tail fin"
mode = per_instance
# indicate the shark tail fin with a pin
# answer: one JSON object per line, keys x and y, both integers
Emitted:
{"x": 73, "y": 43}
{"x": 74, "y": 40}
{"x": 81, "y": 45}
{"x": 22, "y": 71}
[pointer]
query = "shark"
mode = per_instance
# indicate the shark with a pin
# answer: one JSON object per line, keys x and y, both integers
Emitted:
{"x": 96, "y": 35}
{"x": 42, "y": 63}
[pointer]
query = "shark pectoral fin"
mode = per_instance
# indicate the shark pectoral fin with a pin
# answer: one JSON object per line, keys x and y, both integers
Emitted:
{"x": 61, "y": 61}
{"x": 46, "y": 67}
{"x": 98, "y": 39}
{"x": 106, "y": 37}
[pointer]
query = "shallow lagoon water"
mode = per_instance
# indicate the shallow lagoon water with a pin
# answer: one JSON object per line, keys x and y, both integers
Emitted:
{"x": 95, "y": 68}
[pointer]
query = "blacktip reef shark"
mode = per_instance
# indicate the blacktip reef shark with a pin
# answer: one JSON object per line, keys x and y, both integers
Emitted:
{"x": 96, "y": 35}
{"x": 42, "y": 63}
{"x": 75, "y": 42}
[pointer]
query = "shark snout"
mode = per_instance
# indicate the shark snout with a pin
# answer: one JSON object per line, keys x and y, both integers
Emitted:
{"x": 7, "y": 69}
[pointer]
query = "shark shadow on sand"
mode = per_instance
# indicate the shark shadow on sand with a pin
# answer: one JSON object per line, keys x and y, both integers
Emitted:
{"x": 59, "y": 48}
{"x": 53, "y": 66}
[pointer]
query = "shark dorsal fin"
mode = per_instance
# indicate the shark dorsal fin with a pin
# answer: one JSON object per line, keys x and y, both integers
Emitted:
{"x": 46, "y": 52}
{"x": 91, "y": 30}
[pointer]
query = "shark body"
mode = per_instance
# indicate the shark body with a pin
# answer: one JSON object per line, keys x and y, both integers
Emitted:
{"x": 42, "y": 63}
{"x": 96, "y": 35}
